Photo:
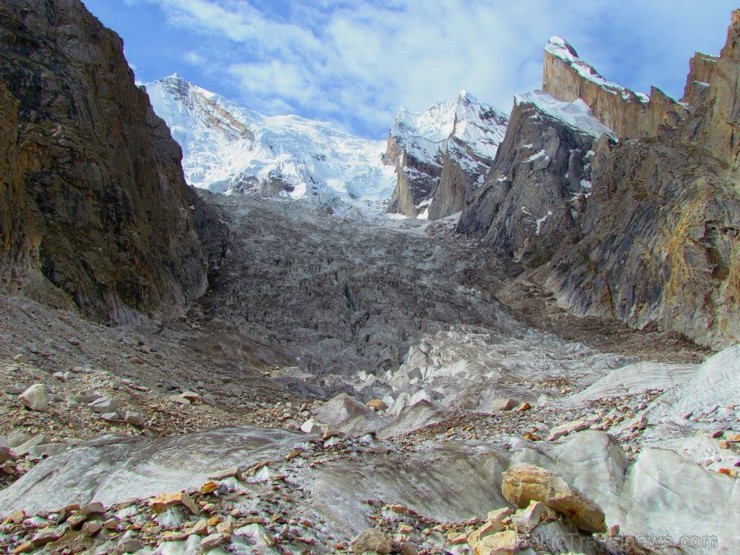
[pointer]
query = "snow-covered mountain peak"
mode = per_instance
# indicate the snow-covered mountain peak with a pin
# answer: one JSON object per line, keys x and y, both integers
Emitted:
{"x": 443, "y": 154}
{"x": 229, "y": 148}
{"x": 466, "y": 120}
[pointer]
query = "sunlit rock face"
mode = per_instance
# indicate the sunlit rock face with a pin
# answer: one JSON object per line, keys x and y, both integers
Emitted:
{"x": 629, "y": 114}
{"x": 652, "y": 235}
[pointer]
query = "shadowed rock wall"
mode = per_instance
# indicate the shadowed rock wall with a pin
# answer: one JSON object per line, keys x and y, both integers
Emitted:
{"x": 95, "y": 210}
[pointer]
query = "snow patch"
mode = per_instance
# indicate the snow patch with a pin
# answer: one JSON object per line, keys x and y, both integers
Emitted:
{"x": 541, "y": 221}
{"x": 576, "y": 115}
{"x": 428, "y": 135}
{"x": 536, "y": 156}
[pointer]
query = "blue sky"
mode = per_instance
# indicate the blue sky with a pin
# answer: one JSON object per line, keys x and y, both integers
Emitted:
{"x": 355, "y": 62}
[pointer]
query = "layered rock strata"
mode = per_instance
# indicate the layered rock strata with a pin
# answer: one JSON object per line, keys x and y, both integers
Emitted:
{"x": 95, "y": 210}
{"x": 652, "y": 236}
{"x": 629, "y": 114}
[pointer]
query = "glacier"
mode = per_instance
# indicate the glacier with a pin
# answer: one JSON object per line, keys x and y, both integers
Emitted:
{"x": 230, "y": 149}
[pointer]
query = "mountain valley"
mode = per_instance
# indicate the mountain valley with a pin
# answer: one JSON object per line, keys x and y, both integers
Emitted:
{"x": 488, "y": 334}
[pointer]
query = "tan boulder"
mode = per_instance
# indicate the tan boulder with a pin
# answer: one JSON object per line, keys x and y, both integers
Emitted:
{"x": 502, "y": 543}
{"x": 377, "y": 405}
{"x": 165, "y": 500}
{"x": 524, "y": 482}
{"x": 488, "y": 529}
{"x": 372, "y": 540}
{"x": 526, "y": 520}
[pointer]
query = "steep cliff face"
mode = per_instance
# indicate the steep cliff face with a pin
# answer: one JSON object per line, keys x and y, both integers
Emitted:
{"x": 717, "y": 122}
{"x": 629, "y": 114}
{"x": 537, "y": 187}
{"x": 701, "y": 68}
{"x": 657, "y": 243}
{"x": 654, "y": 241}
{"x": 417, "y": 178}
{"x": 95, "y": 209}
{"x": 442, "y": 156}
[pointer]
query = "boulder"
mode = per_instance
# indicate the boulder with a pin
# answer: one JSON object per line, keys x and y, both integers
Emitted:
{"x": 373, "y": 540}
{"x": 47, "y": 535}
{"x": 18, "y": 436}
{"x": 523, "y": 483}
{"x": 134, "y": 418}
{"x": 341, "y": 410}
{"x": 165, "y": 500}
{"x": 377, "y": 405}
{"x": 91, "y": 528}
{"x": 499, "y": 515}
{"x": 105, "y": 405}
{"x": 489, "y": 528}
{"x": 214, "y": 540}
{"x": 34, "y": 441}
{"x": 526, "y": 520}
{"x": 502, "y": 543}
{"x": 310, "y": 426}
{"x": 36, "y": 397}
{"x": 502, "y": 404}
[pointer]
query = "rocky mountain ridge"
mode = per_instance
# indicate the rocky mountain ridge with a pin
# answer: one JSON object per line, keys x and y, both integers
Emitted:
{"x": 230, "y": 149}
{"x": 629, "y": 114}
{"x": 651, "y": 234}
{"x": 95, "y": 211}
{"x": 442, "y": 155}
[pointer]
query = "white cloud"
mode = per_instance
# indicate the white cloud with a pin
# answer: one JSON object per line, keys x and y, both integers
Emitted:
{"x": 356, "y": 62}
{"x": 194, "y": 58}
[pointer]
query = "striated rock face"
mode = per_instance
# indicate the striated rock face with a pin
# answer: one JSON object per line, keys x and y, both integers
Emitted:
{"x": 95, "y": 210}
{"x": 442, "y": 156}
{"x": 651, "y": 238}
{"x": 537, "y": 187}
{"x": 657, "y": 243}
